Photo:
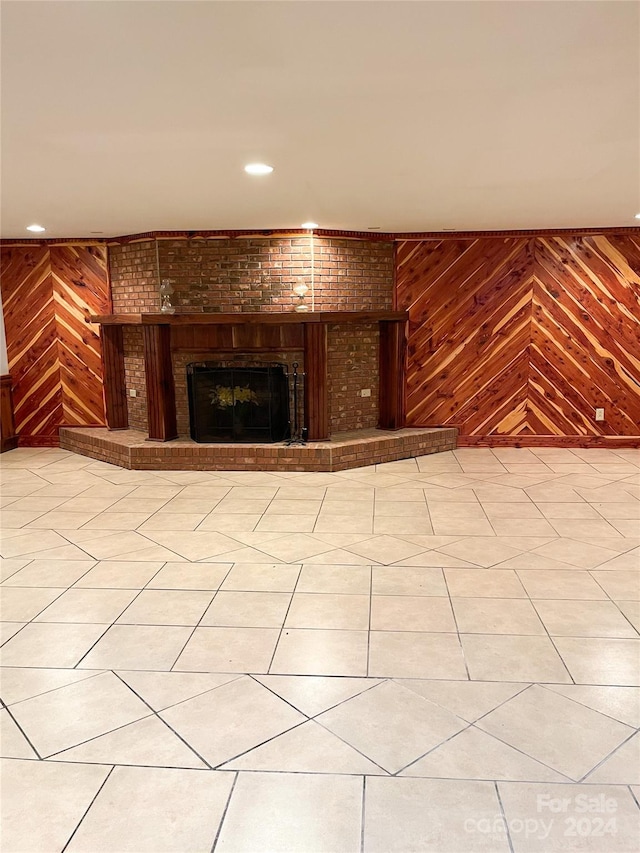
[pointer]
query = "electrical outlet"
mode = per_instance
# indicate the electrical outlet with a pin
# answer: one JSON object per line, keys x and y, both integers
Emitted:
{"x": 133, "y": 392}
{"x": 365, "y": 392}
{"x": 599, "y": 414}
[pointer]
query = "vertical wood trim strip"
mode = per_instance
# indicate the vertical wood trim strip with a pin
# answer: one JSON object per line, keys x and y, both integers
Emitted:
{"x": 392, "y": 356}
{"x": 115, "y": 399}
{"x": 316, "y": 386}
{"x": 161, "y": 398}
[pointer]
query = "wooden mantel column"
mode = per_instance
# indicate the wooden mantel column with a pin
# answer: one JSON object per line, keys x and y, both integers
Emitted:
{"x": 115, "y": 399}
{"x": 161, "y": 397}
{"x": 393, "y": 348}
{"x": 316, "y": 383}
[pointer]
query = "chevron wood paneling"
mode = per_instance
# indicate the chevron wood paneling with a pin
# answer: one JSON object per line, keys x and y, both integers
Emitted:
{"x": 54, "y": 356}
{"x": 79, "y": 279}
{"x": 523, "y": 337}
{"x": 32, "y": 342}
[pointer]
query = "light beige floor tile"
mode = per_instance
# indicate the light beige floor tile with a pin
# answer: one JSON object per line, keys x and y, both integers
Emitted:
{"x": 302, "y": 493}
{"x": 260, "y": 816}
{"x": 9, "y": 629}
{"x": 461, "y": 817}
{"x": 628, "y": 561}
{"x": 88, "y": 605}
{"x": 580, "y": 528}
{"x": 9, "y": 567}
{"x": 21, "y": 604}
{"x": 612, "y": 511}
{"x": 463, "y": 527}
{"x": 41, "y": 504}
{"x": 228, "y": 523}
{"x": 337, "y": 556}
{"x": 116, "y": 521}
{"x": 321, "y": 652}
{"x": 283, "y": 506}
{"x": 18, "y": 683}
{"x": 494, "y": 493}
{"x": 335, "y": 579}
{"x": 357, "y": 509}
{"x": 293, "y": 547}
{"x": 529, "y": 801}
{"x": 326, "y": 523}
{"x": 385, "y": 549}
{"x": 137, "y": 647}
{"x": 393, "y": 525}
{"x": 50, "y": 645}
{"x": 407, "y": 580}
{"x": 139, "y": 505}
{"x": 245, "y": 713}
{"x": 621, "y": 585}
{"x": 568, "y": 510}
{"x": 77, "y": 712}
{"x": 59, "y": 794}
{"x": 600, "y": 661}
{"x": 466, "y": 699}
{"x": 313, "y": 694}
{"x": 286, "y": 523}
{"x": 50, "y": 573}
{"x": 325, "y": 610}
{"x": 173, "y": 521}
{"x": 166, "y": 607}
{"x": 248, "y": 609}
{"x": 626, "y": 526}
{"x": 203, "y": 576}
{"x": 308, "y": 748}
{"x": 480, "y": 551}
{"x": 264, "y": 577}
{"x": 148, "y": 742}
{"x": 507, "y": 510}
{"x": 496, "y": 616}
{"x": 405, "y": 654}
{"x": 484, "y": 583}
{"x": 154, "y": 809}
{"x": 118, "y": 574}
{"x": 631, "y": 610}
{"x": 22, "y": 519}
{"x": 560, "y": 733}
{"x": 580, "y": 554}
{"x": 198, "y": 545}
{"x": 504, "y": 657}
{"x": 576, "y": 585}
{"x": 228, "y": 650}
{"x": 473, "y": 754}
{"x": 621, "y": 703}
{"x": 58, "y": 519}
{"x": 403, "y": 509}
{"x": 621, "y": 768}
{"x": 449, "y": 509}
{"x": 584, "y": 619}
{"x": 13, "y": 744}
{"x": 161, "y": 690}
{"x": 411, "y": 613}
{"x": 391, "y": 725}
{"x": 188, "y": 505}
{"x": 231, "y": 506}
{"x": 512, "y": 527}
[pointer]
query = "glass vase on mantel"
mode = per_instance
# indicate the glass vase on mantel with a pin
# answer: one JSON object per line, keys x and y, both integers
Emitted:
{"x": 166, "y": 292}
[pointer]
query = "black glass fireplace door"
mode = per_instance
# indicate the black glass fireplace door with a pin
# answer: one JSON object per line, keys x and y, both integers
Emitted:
{"x": 238, "y": 404}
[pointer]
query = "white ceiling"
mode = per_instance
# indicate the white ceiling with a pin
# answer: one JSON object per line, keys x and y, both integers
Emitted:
{"x": 122, "y": 117}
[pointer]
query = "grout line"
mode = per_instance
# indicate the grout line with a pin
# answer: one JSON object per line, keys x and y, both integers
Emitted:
{"x": 224, "y": 813}
{"x": 504, "y": 817}
{"x": 363, "y": 813}
{"x": 106, "y": 779}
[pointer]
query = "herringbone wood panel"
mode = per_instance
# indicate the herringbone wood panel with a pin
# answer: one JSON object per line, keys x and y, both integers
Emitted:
{"x": 54, "y": 356}
{"x": 523, "y": 336}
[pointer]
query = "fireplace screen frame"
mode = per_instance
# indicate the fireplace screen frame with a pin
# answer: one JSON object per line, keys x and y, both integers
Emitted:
{"x": 249, "y": 403}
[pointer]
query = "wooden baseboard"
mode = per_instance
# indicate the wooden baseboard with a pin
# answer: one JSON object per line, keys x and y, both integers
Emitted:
{"x": 38, "y": 441}
{"x": 610, "y": 441}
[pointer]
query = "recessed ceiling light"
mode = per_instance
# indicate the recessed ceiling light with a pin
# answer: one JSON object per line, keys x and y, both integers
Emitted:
{"x": 37, "y": 228}
{"x": 637, "y": 215}
{"x": 258, "y": 169}
{"x": 310, "y": 225}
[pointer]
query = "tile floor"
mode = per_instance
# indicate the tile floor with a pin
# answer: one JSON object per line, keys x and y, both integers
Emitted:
{"x": 439, "y": 654}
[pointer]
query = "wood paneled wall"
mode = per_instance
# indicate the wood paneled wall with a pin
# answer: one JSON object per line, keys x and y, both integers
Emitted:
{"x": 519, "y": 339}
{"x": 54, "y": 356}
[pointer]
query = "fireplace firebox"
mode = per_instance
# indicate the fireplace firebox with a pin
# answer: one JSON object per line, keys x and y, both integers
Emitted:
{"x": 238, "y": 404}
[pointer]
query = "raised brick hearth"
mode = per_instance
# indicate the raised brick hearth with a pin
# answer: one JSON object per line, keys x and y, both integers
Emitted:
{"x": 130, "y": 449}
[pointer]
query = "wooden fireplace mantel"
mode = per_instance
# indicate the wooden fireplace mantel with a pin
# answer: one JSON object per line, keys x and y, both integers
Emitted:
{"x": 246, "y": 332}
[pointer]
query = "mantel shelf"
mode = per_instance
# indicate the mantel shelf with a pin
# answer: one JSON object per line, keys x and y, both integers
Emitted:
{"x": 237, "y": 319}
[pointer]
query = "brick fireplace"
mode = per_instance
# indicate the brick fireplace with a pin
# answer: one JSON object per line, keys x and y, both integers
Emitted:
{"x": 234, "y": 299}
